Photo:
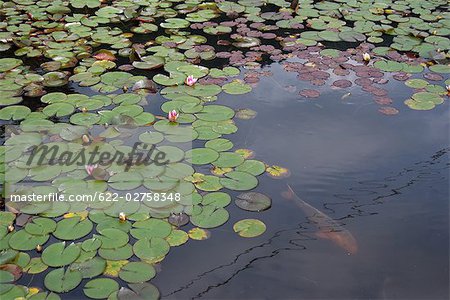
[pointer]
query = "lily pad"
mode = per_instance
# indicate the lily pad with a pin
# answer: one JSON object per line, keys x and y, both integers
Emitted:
{"x": 100, "y": 288}
{"x": 62, "y": 280}
{"x": 210, "y": 217}
{"x": 58, "y": 255}
{"x": 199, "y": 234}
{"x": 253, "y": 201}
{"x": 239, "y": 181}
{"x": 72, "y": 228}
{"x": 249, "y": 228}
{"x": 152, "y": 248}
{"x": 237, "y": 87}
{"x": 135, "y": 272}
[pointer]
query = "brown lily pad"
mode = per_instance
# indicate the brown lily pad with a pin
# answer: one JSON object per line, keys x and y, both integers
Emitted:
{"x": 308, "y": 93}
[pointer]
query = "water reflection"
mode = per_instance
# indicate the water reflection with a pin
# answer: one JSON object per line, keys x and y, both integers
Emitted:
{"x": 384, "y": 178}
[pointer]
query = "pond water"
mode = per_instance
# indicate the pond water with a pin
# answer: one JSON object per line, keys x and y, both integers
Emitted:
{"x": 386, "y": 178}
{"x": 309, "y": 146}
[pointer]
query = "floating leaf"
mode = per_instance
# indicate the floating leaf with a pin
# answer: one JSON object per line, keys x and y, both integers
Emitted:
{"x": 40, "y": 226}
{"x": 90, "y": 268}
{"x": 72, "y": 228}
{"x": 177, "y": 238}
{"x": 112, "y": 238}
{"x": 237, "y": 87}
{"x": 210, "y": 217}
{"x": 239, "y": 181}
{"x": 62, "y": 280}
{"x": 22, "y": 240}
{"x": 100, "y": 288}
{"x": 228, "y": 160}
{"x": 58, "y": 255}
{"x": 7, "y": 64}
{"x": 444, "y": 69}
{"x": 309, "y": 93}
{"x": 135, "y": 272}
{"x": 249, "y": 228}
{"x": 201, "y": 156}
{"x": 416, "y": 83}
{"x": 152, "y": 248}
{"x": 246, "y": 114}
{"x": 277, "y": 172}
{"x": 199, "y": 234}
{"x": 253, "y": 201}
{"x": 14, "y": 112}
{"x": 35, "y": 266}
{"x": 387, "y": 110}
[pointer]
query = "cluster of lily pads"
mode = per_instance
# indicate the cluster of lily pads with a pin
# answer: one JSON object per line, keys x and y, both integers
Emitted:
{"x": 69, "y": 66}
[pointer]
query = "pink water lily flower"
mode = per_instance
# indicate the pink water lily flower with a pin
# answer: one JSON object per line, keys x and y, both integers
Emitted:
{"x": 190, "y": 80}
{"x": 173, "y": 116}
{"x": 90, "y": 168}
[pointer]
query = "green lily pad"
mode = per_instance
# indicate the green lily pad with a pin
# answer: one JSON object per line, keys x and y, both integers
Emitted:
{"x": 254, "y": 167}
{"x": 22, "y": 240}
{"x": 115, "y": 254}
{"x": 152, "y": 248}
{"x": 40, "y": 226}
{"x": 237, "y": 87}
{"x": 201, "y": 156}
{"x": 228, "y": 160}
{"x": 84, "y": 119}
{"x": 58, "y": 109}
{"x": 177, "y": 238}
{"x": 62, "y": 280}
{"x": 135, "y": 272}
{"x": 14, "y": 112}
{"x": 219, "y": 144}
{"x": 72, "y": 228}
{"x": 239, "y": 181}
{"x": 210, "y": 217}
{"x": 249, "y": 228}
{"x": 112, "y": 238}
{"x": 420, "y": 105}
{"x": 217, "y": 199}
{"x": 7, "y": 64}
{"x": 445, "y": 69}
{"x": 90, "y": 268}
{"x": 174, "y": 23}
{"x": 125, "y": 181}
{"x": 388, "y": 66}
{"x": 58, "y": 255}
{"x": 416, "y": 83}
{"x": 35, "y": 266}
{"x": 208, "y": 183}
{"x": 215, "y": 113}
{"x": 100, "y": 288}
{"x": 151, "y": 228}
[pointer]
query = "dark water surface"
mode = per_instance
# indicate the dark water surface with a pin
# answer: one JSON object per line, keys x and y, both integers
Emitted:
{"x": 385, "y": 178}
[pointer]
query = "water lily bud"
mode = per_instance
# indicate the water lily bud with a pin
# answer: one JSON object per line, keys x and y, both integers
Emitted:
{"x": 190, "y": 80}
{"x": 10, "y": 228}
{"x": 122, "y": 217}
{"x": 173, "y": 116}
{"x": 90, "y": 168}
{"x": 84, "y": 109}
{"x": 366, "y": 56}
{"x": 85, "y": 139}
{"x": 38, "y": 248}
